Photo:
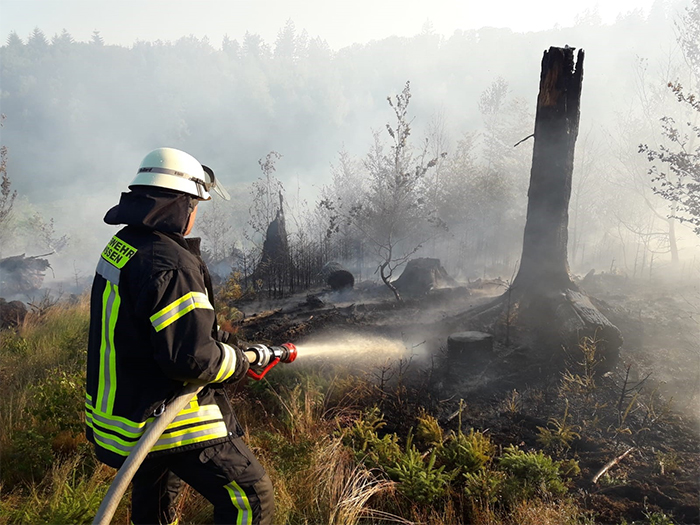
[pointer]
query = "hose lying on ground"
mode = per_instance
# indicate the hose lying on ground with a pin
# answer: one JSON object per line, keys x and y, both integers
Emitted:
{"x": 141, "y": 450}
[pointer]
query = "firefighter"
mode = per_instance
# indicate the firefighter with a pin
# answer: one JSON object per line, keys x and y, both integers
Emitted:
{"x": 153, "y": 329}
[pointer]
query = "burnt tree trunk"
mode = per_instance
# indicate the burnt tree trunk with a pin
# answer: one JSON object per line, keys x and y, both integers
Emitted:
{"x": 544, "y": 264}
{"x": 543, "y": 309}
{"x": 275, "y": 259}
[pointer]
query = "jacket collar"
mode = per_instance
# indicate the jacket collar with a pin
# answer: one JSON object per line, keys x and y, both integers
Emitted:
{"x": 152, "y": 208}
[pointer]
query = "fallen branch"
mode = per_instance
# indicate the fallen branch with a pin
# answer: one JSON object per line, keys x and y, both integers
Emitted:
{"x": 611, "y": 464}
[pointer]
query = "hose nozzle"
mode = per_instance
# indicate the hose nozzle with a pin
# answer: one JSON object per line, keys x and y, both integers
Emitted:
{"x": 262, "y": 358}
{"x": 286, "y": 352}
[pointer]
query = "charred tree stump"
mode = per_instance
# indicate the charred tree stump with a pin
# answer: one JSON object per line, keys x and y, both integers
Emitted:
{"x": 543, "y": 309}
{"x": 274, "y": 264}
{"x": 468, "y": 348}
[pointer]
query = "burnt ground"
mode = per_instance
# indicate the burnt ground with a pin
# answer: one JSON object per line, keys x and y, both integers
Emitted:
{"x": 649, "y": 402}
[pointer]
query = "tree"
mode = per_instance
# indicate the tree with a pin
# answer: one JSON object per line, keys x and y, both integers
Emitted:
{"x": 13, "y": 40}
{"x": 63, "y": 40}
{"x": 43, "y": 233}
{"x": 676, "y": 165}
{"x": 544, "y": 303}
{"x": 544, "y": 264}
{"x": 265, "y": 194}
{"x": 343, "y": 194}
{"x": 231, "y": 47}
{"x": 216, "y": 231}
{"x": 676, "y": 169}
{"x": 7, "y": 195}
{"x": 96, "y": 39}
{"x": 37, "y": 41}
{"x": 286, "y": 43}
{"x": 394, "y": 214}
{"x": 254, "y": 46}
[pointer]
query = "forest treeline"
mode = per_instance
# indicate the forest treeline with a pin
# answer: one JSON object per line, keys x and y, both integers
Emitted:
{"x": 79, "y": 115}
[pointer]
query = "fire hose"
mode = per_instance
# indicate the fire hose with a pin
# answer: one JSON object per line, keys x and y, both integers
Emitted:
{"x": 261, "y": 358}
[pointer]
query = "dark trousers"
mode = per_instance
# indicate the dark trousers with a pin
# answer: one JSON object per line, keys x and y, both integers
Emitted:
{"x": 227, "y": 474}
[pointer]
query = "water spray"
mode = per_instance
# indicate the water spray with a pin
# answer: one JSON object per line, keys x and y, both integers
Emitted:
{"x": 353, "y": 346}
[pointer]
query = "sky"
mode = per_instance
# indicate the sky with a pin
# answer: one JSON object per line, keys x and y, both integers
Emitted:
{"x": 339, "y": 23}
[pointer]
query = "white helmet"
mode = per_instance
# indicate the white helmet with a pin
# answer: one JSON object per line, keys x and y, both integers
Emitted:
{"x": 176, "y": 170}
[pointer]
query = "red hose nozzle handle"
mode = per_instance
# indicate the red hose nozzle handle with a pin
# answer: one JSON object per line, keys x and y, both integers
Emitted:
{"x": 290, "y": 354}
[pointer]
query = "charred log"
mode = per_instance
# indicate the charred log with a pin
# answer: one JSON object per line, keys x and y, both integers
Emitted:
{"x": 20, "y": 274}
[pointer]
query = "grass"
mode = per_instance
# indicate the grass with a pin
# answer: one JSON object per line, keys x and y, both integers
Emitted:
{"x": 318, "y": 433}
{"x": 48, "y": 473}
{"x": 69, "y": 494}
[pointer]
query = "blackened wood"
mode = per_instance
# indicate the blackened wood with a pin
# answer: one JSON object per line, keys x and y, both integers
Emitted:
{"x": 544, "y": 264}
{"x": 470, "y": 347}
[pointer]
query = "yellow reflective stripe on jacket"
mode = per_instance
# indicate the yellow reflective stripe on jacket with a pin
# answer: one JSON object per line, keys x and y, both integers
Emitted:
{"x": 203, "y": 423}
{"x": 193, "y": 413}
{"x": 178, "y": 308}
{"x": 241, "y": 502}
{"x": 228, "y": 364}
{"x": 188, "y": 436}
{"x": 107, "y": 384}
{"x": 118, "y": 252}
{"x": 207, "y": 413}
{"x": 191, "y": 435}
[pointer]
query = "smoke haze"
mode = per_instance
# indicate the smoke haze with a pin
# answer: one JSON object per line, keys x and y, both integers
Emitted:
{"x": 82, "y": 112}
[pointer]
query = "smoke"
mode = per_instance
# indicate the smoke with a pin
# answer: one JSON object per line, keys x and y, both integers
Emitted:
{"x": 80, "y": 117}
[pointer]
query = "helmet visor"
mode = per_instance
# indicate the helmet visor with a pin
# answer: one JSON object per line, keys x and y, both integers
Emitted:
{"x": 212, "y": 184}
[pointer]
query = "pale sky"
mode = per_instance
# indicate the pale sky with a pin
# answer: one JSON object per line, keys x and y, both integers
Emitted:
{"x": 340, "y": 23}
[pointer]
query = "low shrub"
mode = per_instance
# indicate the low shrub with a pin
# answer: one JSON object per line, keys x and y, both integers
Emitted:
{"x": 464, "y": 453}
{"x": 428, "y": 430}
{"x": 59, "y": 401}
{"x": 369, "y": 448}
{"x": 419, "y": 479}
{"x": 484, "y": 487}
{"x": 530, "y": 474}
{"x": 27, "y": 457}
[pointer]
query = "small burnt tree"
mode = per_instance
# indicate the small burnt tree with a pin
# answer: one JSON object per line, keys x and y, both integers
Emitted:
{"x": 274, "y": 267}
{"x": 394, "y": 215}
{"x": 267, "y": 222}
{"x": 543, "y": 306}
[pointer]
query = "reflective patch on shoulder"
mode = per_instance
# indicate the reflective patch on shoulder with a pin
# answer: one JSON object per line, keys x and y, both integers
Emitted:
{"x": 118, "y": 252}
{"x": 108, "y": 271}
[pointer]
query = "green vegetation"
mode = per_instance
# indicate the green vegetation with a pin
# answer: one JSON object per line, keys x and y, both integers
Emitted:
{"x": 463, "y": 464}
{"x": 48, "y": 471}
{"x": 319, "y": 433}
{"x": 559, "y": 432}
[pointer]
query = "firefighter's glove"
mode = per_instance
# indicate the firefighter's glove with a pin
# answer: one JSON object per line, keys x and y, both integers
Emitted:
{"x": 239, "y": 372}
{"x": 226, "y": 337}
{"x": 242, "y": 365}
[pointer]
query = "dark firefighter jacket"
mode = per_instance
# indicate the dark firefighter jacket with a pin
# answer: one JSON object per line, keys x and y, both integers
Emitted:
{"x": 152, "y": 329}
